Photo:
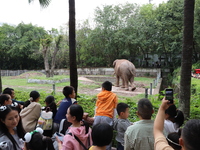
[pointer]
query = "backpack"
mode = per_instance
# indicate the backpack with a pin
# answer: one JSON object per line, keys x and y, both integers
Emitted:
{"x": 46, "y": 119}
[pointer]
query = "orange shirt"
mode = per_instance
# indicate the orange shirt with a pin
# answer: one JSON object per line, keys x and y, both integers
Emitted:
{"x": 106, "y": 103}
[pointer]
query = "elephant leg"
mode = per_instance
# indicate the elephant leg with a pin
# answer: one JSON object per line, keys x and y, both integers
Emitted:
{"x": 126, "y": 83}
{"x": 132, "y": 84}
{"x": 117, "y": 81}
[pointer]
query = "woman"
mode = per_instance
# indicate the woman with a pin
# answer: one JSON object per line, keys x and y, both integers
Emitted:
{"x": 190, "y": 134}
{"x": 5, "y": 99}
{"x": 31, "y": 112}
{"x": 36, "y": 141}
{"x": 77, "y": 131}
{"x": 11, "y": 129}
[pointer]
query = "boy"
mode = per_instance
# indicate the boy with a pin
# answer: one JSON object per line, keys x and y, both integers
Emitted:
{"x": 105, "y": 106}
{"x": 139, "y": 136}
{"x": 69, "y": 93}
{"x": 121, "y": 124}
{"x": 101, "y": 136}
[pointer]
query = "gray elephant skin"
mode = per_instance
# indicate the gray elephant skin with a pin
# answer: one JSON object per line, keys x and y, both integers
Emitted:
{"x": 125, "y": 70}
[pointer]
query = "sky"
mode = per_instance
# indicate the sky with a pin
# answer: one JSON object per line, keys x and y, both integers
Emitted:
{"x": 56, "y": 14}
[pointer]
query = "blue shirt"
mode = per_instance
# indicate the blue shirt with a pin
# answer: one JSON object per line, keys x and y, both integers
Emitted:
{"x": 62, "y": 110}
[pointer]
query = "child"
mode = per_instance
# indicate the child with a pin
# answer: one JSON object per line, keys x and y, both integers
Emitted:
{"x": 36, "y": 141}
{"x": 173, "y": 119}
{"x": 105, "y": 106}
{"x": 101, "y": 136}
{"x": 50, "y": 103}
{"x": 173, "y": 140}
{"x": 11, "y": 129}
{"x": 69, "y": 93}
{"x": 76, "y": 131}
{"x": 139, "y": 136}
{"x": 31, "y": 112}
{"x": 121, "y": 124}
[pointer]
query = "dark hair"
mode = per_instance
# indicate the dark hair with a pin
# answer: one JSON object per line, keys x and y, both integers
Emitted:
{"x": 3, "y": 98}
{"x": 8, "y": 91}
{"x": 102, "y": 134}
{"x": 77, "y": 111}
{"x": 38, "y": 142}
{"x": 107, "y": 85}
{"x": 67, "y": 90}
{"x": 191, "y": 134}
{"x": 173, "y": 140}
{"x": 4, "y": 129}
{"x": 145, "y": 108}
{"x": 33, "y": 96}
{"x": 50, "y": 100}
{"x": 121, "y": 107}
{"x": 176, "y": 115}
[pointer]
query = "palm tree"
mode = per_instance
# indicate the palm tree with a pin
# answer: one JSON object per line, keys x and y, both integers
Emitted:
{"x": 72, "y": 41}
{"x": 186, "y": 62}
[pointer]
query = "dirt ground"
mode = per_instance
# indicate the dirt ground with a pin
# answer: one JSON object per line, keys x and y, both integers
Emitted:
{"x": 118, "y": 90}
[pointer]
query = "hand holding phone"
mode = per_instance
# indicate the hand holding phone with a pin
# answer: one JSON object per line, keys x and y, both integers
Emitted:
{"x": 169, "y": 95}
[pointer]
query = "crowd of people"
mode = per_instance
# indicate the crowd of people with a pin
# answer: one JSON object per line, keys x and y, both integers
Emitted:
{"x": 19, "y": 124}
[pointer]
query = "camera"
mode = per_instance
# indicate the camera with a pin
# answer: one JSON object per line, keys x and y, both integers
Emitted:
{"x": 169, "y": 95}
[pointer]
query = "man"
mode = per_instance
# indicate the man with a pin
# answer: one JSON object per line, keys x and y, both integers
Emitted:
{"x": 11, "y": 92}
{"x": 139, "y": 136}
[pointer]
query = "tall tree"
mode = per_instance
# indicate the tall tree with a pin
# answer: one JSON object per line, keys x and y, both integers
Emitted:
{"x": 72, "y": 41}
{"x": 186, "y": 63}
{"x": 72, "y": 46}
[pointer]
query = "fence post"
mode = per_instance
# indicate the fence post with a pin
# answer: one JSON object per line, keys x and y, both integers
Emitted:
{"x": 146, "y": 92}
{"x": 150, "y": 88}
{"x": 54, "y": 89}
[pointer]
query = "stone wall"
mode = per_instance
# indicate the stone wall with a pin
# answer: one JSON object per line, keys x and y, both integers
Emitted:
{"x": 87, "y": 71}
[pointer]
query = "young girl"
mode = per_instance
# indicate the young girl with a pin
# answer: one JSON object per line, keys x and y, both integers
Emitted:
{"x": 5, "y": 99}
{"x": 36, "y": 141}
{"x": 11, "y": 130}
{"x": 50, "y": 103}
{"x": 31, "y": 112}
{"x": 77, "y": 131}
{"x": 173, "y": 119}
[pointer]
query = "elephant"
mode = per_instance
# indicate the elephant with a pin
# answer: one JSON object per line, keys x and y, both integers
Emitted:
{"x": 125, "y": 70}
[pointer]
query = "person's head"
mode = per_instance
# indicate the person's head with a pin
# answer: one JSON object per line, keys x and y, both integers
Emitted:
{"x": 10, "y": 119}
{"x": 170, "y": 112}
{"x": 74, "y": 113}
{"x": 5, "y": 99}
{"x": 34, "y": 97}
{"x": 175, "y": 115}
{"x": 69, "y": 92}
{"x": 144, "y": 108}
{"x": 9, "y": 91}
{"x": 102, "y": 134}
{"x": 173, "y": 140}
{"x": 107, "y": 85}
{"x": 123, "y": 110}
{"x": 49, "y": 99}
{"x": 38, "y": 142}
{"x": 190, "y": 135}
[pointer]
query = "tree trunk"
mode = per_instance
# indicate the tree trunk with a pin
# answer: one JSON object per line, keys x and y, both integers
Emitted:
{"x": 186, "y": 62}
{"x": 46, "y": 62}
{"x": 0, "y": 82}
{"x": 72, "y": 46}
{"x": 53, "y": 61}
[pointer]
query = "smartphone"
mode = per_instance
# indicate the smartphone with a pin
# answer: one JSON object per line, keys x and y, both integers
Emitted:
{"x": 169, "y": 95}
